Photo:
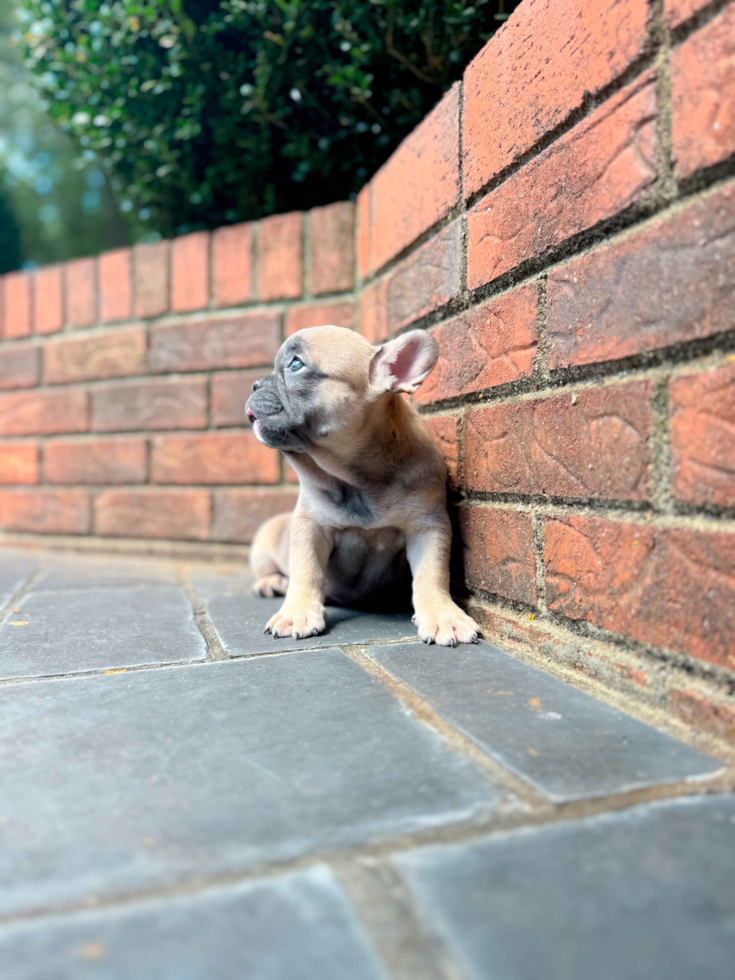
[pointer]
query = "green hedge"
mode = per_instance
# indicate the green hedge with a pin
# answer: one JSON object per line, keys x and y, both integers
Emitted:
{"x": 205, "y": 113}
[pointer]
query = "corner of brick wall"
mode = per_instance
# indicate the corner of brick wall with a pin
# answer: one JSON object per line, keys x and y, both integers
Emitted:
{"x": 564, "y": 224}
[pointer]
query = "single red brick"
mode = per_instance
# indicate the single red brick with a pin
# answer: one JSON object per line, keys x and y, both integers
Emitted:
{"x": 671, "y": 587}
{"x": 15, "y": 304}
{"x": 112, "y": 354}
{"x": 18, "y": 462}
{"x": 598, "y": 169}
{"x": 19, "y": 366}
{"x": 374, "y": 312}
{"x": 43, "y": 413}
{"x": 332, "y": 248}
{"x": 593, "y": 443}
{"x": 280, "y": 260}
{"x": 364, "y": 219}
{"x": 190, "y": 272}
{"x": 239, "y": 513}
{"x": 45, "y": 511}
{"x": 244, "y": 340}
{"x": 151, "y": 279}
{"x": 444, "y": 432}
{"x": 427, "y": 280}
{"x": 230, "y": 391}
{"x": 96, "y": 461}
{"x": 215, "y": 457}
{"x": 670, "y": 281}
{"x": 677, "y": 11}
{"x": 48, "y": 300}
{"x": 156, "y": 403}
{"x": 418, "y": 185}
{"x": 489, "y": 345}
{"x": 536, "y": 69}
{"x": 232, "y": 265}
{"x": 116, "y": 296}
{"x": 154, "y": 513}
{"x": 704, "y": 714}
{"x": 498, "y": 552}
{"x": 703, "y": 96}
{"x": 80, "y": 290}
{"x": 702, "y": 408}
{"x": 319, "y": 315}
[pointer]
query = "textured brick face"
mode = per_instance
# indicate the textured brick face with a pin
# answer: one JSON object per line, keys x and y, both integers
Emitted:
{"x": 536, "y": 70}
{"x": 152, "y": 513}
{"x": 427, "y": 280}
{"x": 15, "y": 305}
{"x": 190, "y": 272}
{"x": 230, "y": 391}
{"x": 238, "y": 341}
{"x": 18, "y": 463}
{"x": 331, "y": 248}
{"x": 221, "y": 457}
{"x": 498, "y": 552}
{"x": 489, "y": 345}
{"x": 45, "y": 511}
{"x": 319, "y": 315}
{"x": 363, "y": 231}
{"x": 702, "y": 408}
{"x": 166, "y": 403}
{"x": 671, "y": 281}
{"x": 671, "y": 587}
{"x": 280, "y": 261}
{"x": 43, "y": 413}
{"x": 232, "y": 265}
{"x": 418, "y": 185}
{"x": 703, "y": 96}
{"x": 593, "y": 172}
{"x": 105, "y": 355}
{"x": 115, "y": 274}
{"x": 96, "y": 461}
{"x": 374, "y": 312}
{"x": 444, "y": 432}
{"x": 81, "y": 292}
{"x": 151, "y": 271}
{"x": 48, "y": 300}
{"x": 239, "y": 513}
{"x": 19, "y": 366}
{"x": 593, "y": 443}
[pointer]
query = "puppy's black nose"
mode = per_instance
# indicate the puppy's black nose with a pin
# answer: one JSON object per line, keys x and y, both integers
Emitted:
{"x": 257, "y": 384}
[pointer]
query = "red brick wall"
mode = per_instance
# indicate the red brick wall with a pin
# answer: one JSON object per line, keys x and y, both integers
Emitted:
{"x": 564, "y": 223}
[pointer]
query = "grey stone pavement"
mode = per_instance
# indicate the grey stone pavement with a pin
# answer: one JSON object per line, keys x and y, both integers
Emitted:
{"x": 183, "y": 797}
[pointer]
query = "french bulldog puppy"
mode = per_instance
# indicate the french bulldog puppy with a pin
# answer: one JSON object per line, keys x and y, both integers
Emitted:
{"x": 371, "y": 510}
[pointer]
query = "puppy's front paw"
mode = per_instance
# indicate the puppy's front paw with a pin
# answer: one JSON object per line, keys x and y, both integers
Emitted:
{"x": 446, "y": 625}
{"x": 296, "y": 621}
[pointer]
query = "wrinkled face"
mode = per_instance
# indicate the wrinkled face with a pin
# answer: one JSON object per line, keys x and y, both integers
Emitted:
{"x": 316, "y": 392}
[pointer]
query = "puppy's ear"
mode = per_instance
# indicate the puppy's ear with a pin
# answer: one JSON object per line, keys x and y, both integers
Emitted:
{"x": 403, "y": 363}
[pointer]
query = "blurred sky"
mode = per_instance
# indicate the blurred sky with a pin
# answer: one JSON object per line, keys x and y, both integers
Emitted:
{"x": 52, "y": 208}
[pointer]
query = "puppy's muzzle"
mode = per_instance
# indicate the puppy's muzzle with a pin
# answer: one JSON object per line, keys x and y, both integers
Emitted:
{"x": 264, "y": 401}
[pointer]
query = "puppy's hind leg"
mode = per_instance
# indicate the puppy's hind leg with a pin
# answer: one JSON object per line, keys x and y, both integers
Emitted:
{"x": 269, "y": 556}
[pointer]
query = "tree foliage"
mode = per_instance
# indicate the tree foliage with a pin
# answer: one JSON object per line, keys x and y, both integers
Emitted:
{"x": 205, "y": 112}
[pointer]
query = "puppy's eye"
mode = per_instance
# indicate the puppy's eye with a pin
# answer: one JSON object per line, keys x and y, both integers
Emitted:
{"x": 295, "y": 364}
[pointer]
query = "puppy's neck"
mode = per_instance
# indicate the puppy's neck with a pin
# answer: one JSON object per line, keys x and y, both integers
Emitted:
{"x": 388, "y": 435}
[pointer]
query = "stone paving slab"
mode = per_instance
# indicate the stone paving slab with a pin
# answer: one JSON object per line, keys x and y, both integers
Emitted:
{"x": 133, "y": 780}
{"x": 65, "y": 632}
{"x": 642, "y": 894}
{"x": 292, "y": 927}
{"x": 15, "y": 569}
{"x": 98, "y": 573}
{"x": 239, "y": 621}
{"x": 564, "y": 742}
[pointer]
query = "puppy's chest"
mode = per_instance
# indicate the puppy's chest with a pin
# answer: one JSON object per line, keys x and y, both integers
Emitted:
{"x": 344, "y": 505}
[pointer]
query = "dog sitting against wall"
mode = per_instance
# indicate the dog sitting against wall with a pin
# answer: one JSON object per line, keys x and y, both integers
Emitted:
{"x": 371, "y": 517}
